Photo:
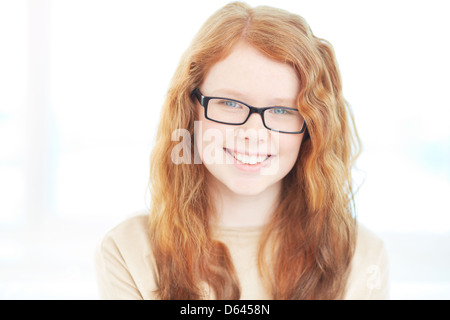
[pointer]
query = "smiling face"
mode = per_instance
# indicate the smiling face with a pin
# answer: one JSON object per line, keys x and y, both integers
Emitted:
{"x": 248, "y": 159}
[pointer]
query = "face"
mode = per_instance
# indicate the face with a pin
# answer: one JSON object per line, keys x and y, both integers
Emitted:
{"x": 248, "y": 159}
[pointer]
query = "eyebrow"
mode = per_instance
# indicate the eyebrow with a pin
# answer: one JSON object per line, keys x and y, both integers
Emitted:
{"x": 229, "y": 93}
{"x": 236, "y": 95}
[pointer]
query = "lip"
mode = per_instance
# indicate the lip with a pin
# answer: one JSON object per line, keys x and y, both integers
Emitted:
{"x": 248, "y": 167}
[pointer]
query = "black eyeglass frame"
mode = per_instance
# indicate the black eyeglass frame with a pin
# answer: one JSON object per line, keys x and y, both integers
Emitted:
{"x": 204, "y": 100}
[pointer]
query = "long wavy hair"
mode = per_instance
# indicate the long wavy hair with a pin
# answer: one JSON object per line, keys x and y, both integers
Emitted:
{"x": 306, "y": 249}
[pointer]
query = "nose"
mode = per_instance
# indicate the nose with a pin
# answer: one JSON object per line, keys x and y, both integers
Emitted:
{"x": 254, "y": 121}
{"x": 253, "y": 129}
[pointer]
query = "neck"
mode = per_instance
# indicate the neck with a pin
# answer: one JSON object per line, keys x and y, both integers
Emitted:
{"x": 238, "y": 210}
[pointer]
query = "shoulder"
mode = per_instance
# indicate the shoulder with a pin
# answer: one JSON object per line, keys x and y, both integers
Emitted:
{"x": 369, "y": 273}
{"x": 129, "y": 240}
{"x": 128, "y": 231}
{"x": 124, "y": 261}
{"x": 368, "y": 243}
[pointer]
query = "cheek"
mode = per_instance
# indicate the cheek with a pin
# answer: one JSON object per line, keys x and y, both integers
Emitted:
{"x": 289, "y": 150}
{"x": 209, "y": 138}
{"x": 201, "y": 125}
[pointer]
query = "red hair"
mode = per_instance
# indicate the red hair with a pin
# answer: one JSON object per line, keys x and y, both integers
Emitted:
{"x": 306, "y": 249}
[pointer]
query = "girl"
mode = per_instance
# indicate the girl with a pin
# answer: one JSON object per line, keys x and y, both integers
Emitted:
{"x": 251, "y": 190}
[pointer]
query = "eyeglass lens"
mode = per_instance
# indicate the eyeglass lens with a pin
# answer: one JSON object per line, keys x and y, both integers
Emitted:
{"x": 275, "y": 118}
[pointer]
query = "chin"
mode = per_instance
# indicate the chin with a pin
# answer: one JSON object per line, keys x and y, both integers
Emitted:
{"x": 240, "y": 183}
{"x": 248, "y": 187}
{"x": 247, "y": 191}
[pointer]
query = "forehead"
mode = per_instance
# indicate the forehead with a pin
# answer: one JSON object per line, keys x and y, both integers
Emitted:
{"x": 251, "y": 75}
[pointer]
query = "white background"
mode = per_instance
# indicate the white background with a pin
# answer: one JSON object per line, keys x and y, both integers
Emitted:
{"x": 81, "y": 87}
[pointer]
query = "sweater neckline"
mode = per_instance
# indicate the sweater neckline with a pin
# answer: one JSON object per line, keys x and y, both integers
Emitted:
{"x": 238, "y": 231}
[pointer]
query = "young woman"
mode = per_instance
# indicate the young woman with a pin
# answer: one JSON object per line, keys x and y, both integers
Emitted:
{"x": 250, "y": 176}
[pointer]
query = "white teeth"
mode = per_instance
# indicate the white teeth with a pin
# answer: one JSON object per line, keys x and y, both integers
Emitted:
{"x": 249, "y": 159}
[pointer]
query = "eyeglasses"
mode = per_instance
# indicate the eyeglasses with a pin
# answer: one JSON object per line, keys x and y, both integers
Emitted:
{"x": 234, "y": 112}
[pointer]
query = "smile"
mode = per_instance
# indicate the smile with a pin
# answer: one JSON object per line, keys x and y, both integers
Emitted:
{"x": 248, "y": 159}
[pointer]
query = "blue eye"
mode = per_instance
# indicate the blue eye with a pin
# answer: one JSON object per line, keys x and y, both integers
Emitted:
{"x": 279, "y": 111}
{"x": 231, "y": 104}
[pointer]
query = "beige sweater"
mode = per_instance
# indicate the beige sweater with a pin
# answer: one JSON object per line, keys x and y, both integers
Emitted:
{"x": 125, "y": 267}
